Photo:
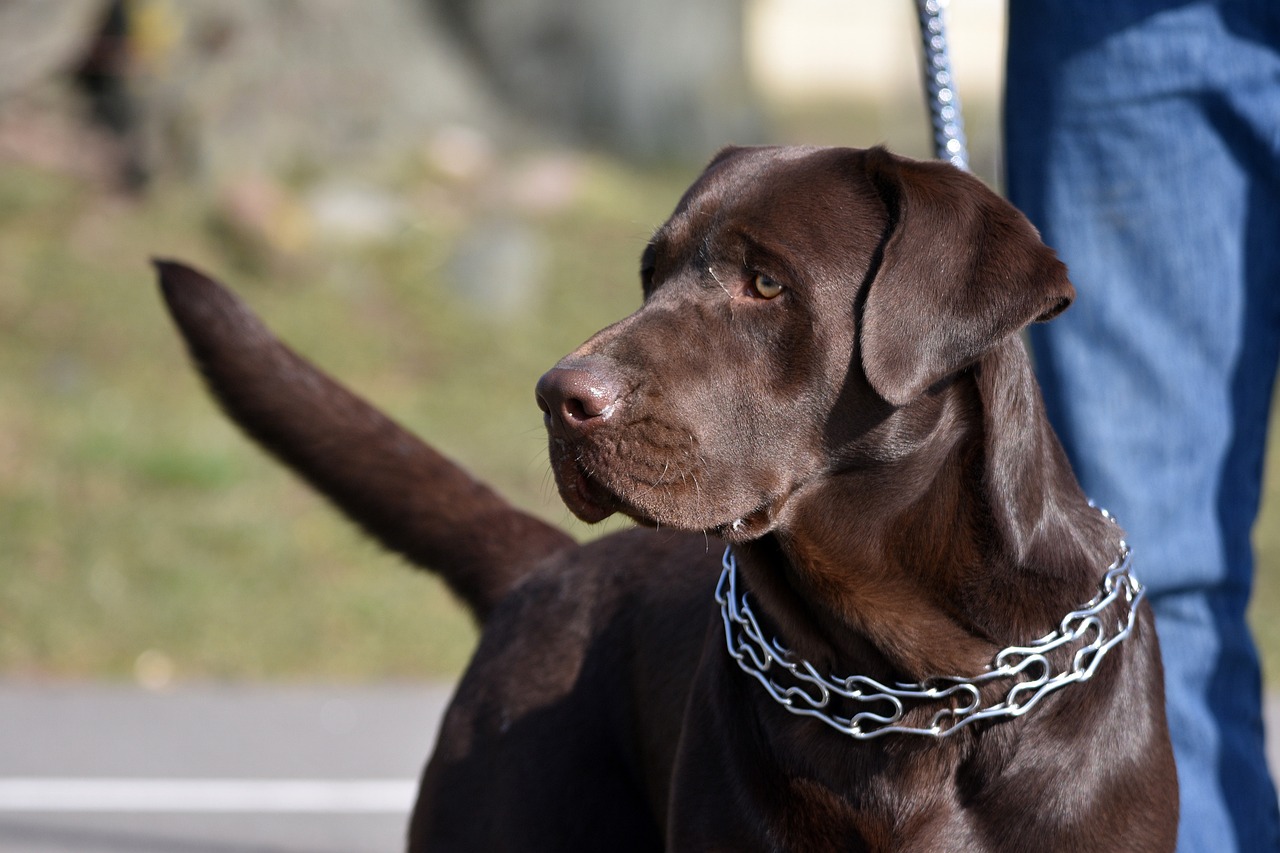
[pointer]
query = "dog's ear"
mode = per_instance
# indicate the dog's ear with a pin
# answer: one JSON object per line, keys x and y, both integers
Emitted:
{"x": 961, "y": 270}
{"x": 725, "y": 153}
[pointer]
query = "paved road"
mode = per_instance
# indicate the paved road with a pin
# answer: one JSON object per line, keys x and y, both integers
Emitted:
{"x": 257, "y": 768}
{"x": 87, "y": 768}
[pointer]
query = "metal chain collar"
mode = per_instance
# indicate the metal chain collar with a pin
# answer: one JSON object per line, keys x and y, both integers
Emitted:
{"x": 1027, "y": 668}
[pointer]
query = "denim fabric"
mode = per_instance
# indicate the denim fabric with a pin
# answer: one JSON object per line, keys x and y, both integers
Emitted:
{"x": 1143, "y": 139}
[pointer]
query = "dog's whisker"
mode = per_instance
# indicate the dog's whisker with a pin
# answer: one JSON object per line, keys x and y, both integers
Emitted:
{"x": 712, "y": 271}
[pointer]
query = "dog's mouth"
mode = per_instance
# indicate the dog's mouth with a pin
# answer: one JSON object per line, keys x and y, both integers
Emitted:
{"x": 585, "y": 496}
{"x": 753, "y": 525}
{"x": 591, "y": 497}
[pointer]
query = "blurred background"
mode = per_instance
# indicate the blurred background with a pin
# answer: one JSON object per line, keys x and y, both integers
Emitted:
{"x": 433, "y": 200}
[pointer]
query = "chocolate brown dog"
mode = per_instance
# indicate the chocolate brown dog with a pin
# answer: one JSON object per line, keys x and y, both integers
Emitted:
{"x": 921, "y": 636}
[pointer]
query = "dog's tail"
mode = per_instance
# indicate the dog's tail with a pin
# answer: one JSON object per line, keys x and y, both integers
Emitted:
{"x": 408, "y": 496}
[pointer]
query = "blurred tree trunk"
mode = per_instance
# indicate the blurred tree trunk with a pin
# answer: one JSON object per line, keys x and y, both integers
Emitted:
{"x": 212, "y": 87}
{"x": 653, "y": 79}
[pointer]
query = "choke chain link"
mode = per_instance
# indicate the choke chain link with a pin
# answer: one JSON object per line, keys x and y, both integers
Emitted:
{"x": 1027, "y": 668}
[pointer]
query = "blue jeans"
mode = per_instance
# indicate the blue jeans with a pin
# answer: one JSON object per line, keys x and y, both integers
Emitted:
{"x": 1143, "y": 139}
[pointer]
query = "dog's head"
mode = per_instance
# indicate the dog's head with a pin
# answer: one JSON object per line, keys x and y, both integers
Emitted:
{"x": 797, "y": 304}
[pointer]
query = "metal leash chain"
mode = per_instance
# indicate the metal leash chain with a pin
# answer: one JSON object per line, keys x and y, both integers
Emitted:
{"x": 944, "y": 102}
{"x": 1027, "y": 668}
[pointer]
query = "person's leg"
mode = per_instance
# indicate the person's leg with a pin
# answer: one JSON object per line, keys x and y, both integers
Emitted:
{"x": 1144, "y": 142}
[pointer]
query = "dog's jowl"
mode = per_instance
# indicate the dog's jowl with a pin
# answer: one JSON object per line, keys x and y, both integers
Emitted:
{"x": 865, "y": 607}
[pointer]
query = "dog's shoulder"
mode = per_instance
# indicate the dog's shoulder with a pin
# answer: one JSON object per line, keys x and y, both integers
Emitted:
{"x": 588, "y": 615}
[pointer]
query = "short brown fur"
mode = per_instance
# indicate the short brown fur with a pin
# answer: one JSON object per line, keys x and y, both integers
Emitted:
{"x": 870, "y": 441}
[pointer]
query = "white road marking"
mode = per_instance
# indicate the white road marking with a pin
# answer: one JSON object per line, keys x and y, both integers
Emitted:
{"x": 230, "y": 796}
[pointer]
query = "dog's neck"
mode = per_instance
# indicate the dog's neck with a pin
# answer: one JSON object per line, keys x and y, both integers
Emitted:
{"x": 987, "y": 542}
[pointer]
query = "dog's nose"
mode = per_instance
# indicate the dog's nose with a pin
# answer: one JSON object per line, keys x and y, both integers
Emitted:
{"x": 576, "y": 399}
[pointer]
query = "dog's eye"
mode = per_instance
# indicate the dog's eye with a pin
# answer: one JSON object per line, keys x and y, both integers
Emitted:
{"x": 765, "y": 287}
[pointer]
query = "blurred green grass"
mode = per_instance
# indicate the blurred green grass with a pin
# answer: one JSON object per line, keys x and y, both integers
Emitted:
{"x": 142, "y": 537}
{"x": 137, "y": 525}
